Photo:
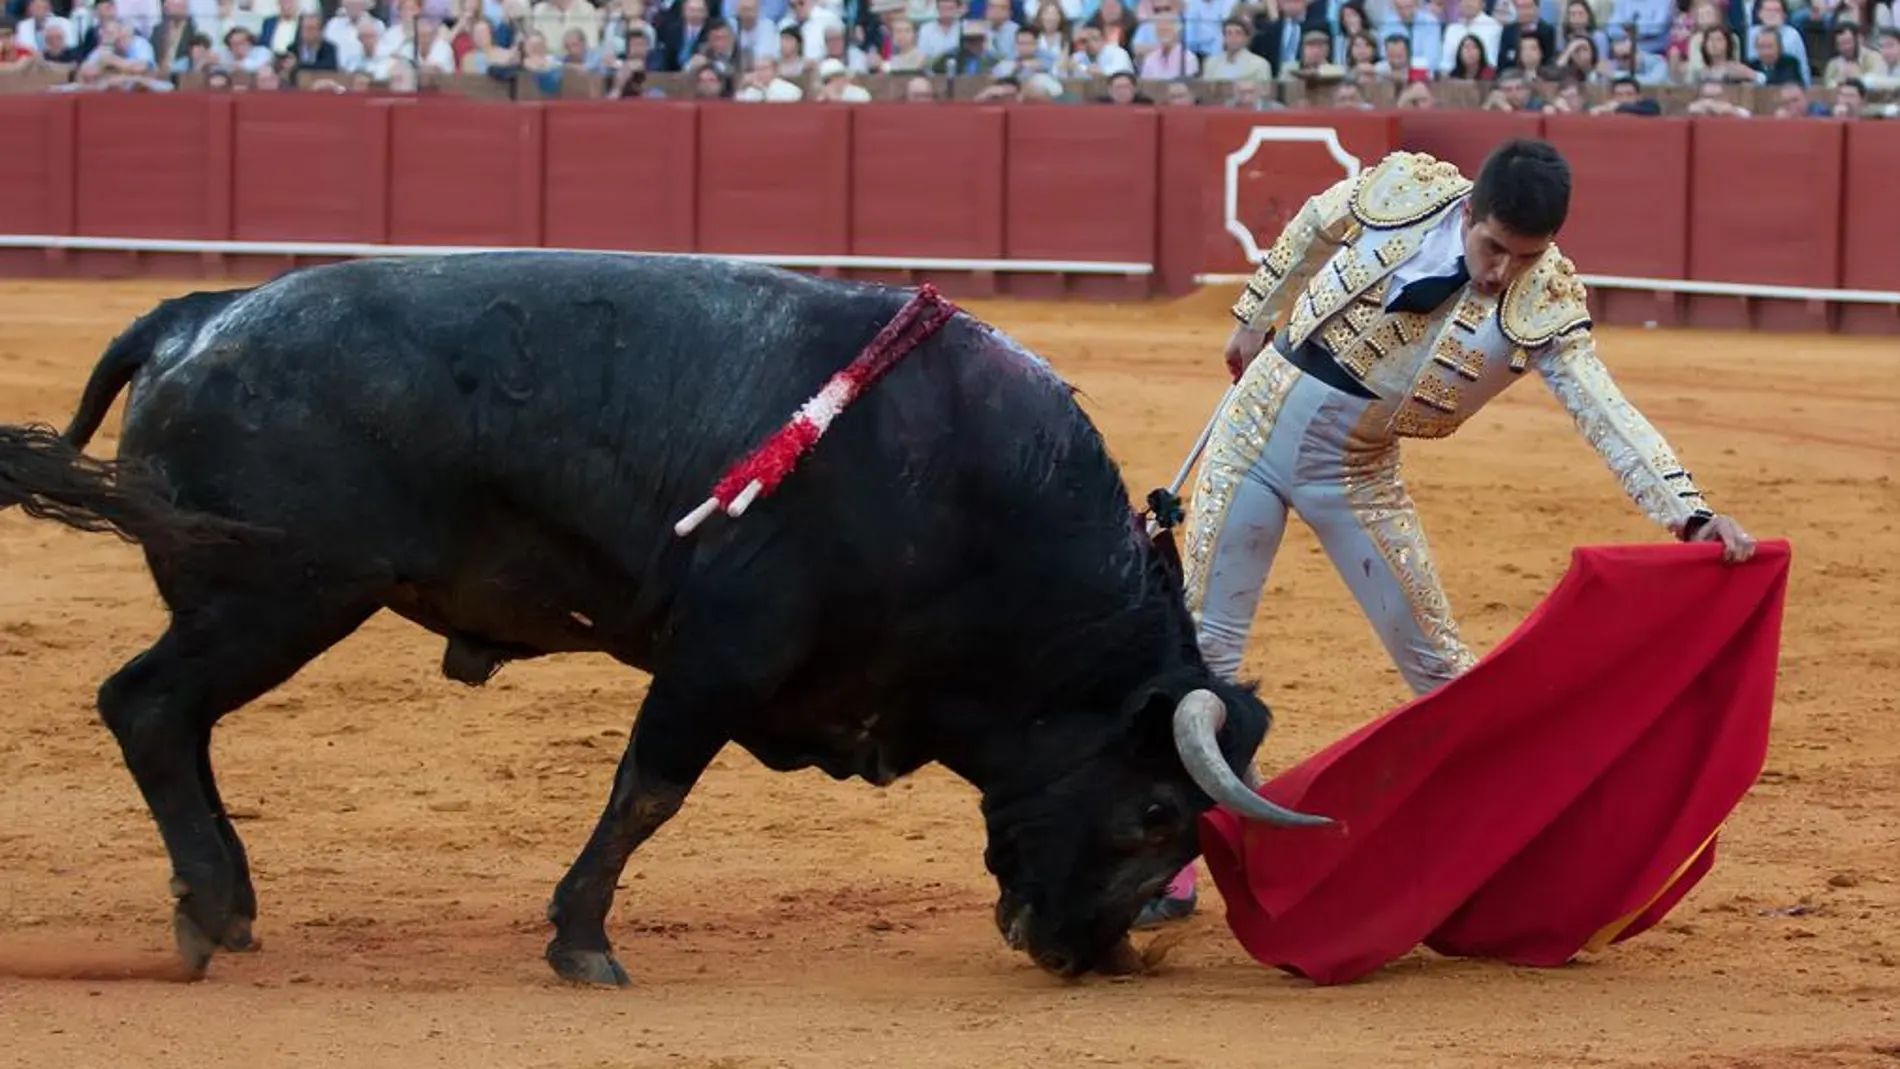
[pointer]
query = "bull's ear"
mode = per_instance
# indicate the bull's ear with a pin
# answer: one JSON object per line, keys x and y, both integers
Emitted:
{"x": 1148, "y": 716}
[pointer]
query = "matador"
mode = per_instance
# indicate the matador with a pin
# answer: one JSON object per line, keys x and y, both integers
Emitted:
{"x": 1398, "y": 303}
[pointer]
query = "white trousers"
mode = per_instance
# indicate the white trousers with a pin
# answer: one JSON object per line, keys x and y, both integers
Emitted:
{"x": 1288, "y": 442}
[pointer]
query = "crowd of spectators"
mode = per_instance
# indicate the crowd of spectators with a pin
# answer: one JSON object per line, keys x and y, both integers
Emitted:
{"x": 1563, "y": 55}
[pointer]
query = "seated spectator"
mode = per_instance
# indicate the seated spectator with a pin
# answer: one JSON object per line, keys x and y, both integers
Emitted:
{"x": 1850, "y": 99}
{"x": 279, "y": 31}
{"x": 55, "y": 45}
{"x": 312, "y": 52}
{"x": 836, "y": 47}
{"x": 1472, "y": 22}
{"x": 171, "y": 38}
{"x": 1315, "y": 62}
{"x": 903, "y": 55}
{"x": 1580, "y": 21}
{"x": 920, "y": 90}
{"x": 1180, "y": 94}
{"x": 1579, "y": 61}
{"x": 1513, "y": 92}
{"x": 1001, "y": 32}
{"x": 30, "y": 30}
{"x": 791, "y": 55}
{"x": 1417, "y": 95}
{"x": 1795, "y": 103}
{"x": 1250, "y": 94}
{"x": 575, "y": 55}
{"x": 343, "y": 28}
{"x": 712, "y": 81}
{"x": 758, "y": 36}
{"x": 1000, "y": 91}
{"x": 1771, "y": 16}
{"x": 1626, "y": 98}
{"x": 1530, "y": 61}
{"x": 241, "y": 52}
{"x": 1169, "y": 58}
{"x": 1349, "y": 21}
{"x": 553, "y": 18}
{"x": 1095, "y": 58}
{"x": 1278, "y": 31}
{"x": 1717, "y": 59}
{"x": 764, "y": 83}
{"x": 834, "y": 83}
{"x": 1529, "y": 24}
{"x": 968, "y": 60}
{"x": 1626, "y": 60}
{"x": 1235, "y": 61}
{"x": 1421, "y": 29}
{"x": 13, "y": 55}
{"x": 1712, "y": 98}
{"x": 1348, "y": 95}
{"x": 1852, "y": 58}
{"x": 1053, "y": 32}
{"x": 1123, "y": 89}
{"x": 942, "y": 36}
{"x": 1649, "y": 21}
{"x": 1027, "y": 59}
{"x": 1143, "y": 41}
{"x": 682, "y": 34}
{"x": 1041, "y": 89}
{"x": 1117, "y": 26}
{"x": 1471, "y": 64}
{"x": 1398, "y": 65}
{"x": 1773, "y": 65}
{"x": 1361, "y": 58}
{"x": 121, "y": 51}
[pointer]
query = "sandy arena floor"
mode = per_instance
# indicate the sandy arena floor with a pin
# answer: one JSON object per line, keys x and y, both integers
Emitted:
{"x": 406, "y": 831}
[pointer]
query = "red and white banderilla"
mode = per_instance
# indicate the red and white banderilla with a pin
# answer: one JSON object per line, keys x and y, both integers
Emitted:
{"x": 760, "y": 472}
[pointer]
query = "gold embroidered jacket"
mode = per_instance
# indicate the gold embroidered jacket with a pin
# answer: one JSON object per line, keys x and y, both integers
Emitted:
{"x": 1326, "y": 278}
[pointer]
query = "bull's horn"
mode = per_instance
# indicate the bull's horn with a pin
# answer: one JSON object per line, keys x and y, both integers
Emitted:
{"x": 1197, "y": 723}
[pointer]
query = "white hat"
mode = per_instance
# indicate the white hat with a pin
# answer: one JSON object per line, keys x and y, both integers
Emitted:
{"x": 832, "y": 67}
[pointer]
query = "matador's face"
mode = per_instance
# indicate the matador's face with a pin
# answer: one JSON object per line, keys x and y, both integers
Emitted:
{"x": 1496, "y": 254}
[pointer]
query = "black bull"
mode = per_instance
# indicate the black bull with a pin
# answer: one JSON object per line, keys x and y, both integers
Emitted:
{"x": 496, "y": 447}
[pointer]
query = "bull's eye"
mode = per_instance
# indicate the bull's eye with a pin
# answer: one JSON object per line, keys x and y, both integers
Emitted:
{"x": 1158, "y": 818}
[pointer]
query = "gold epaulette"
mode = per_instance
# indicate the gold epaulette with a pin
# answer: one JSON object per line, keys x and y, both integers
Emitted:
{"x": 1406, "y": 188}
{"x": 1544, "y": 302}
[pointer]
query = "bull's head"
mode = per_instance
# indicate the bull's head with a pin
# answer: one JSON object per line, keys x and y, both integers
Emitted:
{"x": 1092, "y": 816}
{"x": 1077, "y": 857}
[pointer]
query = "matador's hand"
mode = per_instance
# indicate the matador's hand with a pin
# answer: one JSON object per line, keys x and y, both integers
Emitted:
{"x": 1737, "y": 546}
{"x": 1242, "y": 346}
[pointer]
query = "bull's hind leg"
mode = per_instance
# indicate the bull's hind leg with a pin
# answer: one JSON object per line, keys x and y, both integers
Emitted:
{"x": 218, "y": 654}
{"x": 676, "y": 736}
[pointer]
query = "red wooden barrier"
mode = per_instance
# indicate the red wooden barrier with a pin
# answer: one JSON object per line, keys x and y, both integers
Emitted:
{"x": 1629, "y": 207}
{"x": 1870, "y": 227}
{"x": 616, "y": 177}
{"x": 1765, "y": 209}
{"x": 1172, "y": 194}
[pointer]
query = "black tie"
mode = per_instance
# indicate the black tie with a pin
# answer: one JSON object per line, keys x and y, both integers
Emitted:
{"x": 1423, "y": 295}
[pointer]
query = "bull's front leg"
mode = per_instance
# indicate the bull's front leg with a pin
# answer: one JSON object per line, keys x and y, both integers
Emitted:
{"x": 675, "y": 737}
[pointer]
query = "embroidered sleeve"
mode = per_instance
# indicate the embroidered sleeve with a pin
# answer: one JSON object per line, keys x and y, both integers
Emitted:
{"x": 1634, "y": 450}
{"x": 1320, "y": 227}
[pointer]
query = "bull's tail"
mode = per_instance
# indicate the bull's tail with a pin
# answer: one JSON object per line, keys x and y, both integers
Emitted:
{"x": 50, "y": 478}
{"x": 132, "y": 350}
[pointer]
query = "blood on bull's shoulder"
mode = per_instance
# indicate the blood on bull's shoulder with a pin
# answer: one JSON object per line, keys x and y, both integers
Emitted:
{"x": 497, "y": 446}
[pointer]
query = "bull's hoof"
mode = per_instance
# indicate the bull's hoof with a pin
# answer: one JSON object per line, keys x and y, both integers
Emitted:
{"x": 194, "y": 946}
{"x": 593, "y": 967}
{"x": 238, "y": 937}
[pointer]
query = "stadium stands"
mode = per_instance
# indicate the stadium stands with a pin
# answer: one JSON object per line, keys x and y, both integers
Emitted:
{"x": 1646, "y": 57}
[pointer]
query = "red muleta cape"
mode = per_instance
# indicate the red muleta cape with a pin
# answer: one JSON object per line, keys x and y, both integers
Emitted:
{"x": 1562, "y": 795}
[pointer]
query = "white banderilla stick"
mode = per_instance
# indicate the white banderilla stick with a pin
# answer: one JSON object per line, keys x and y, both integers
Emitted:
{"x": 1194, "y": 455}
